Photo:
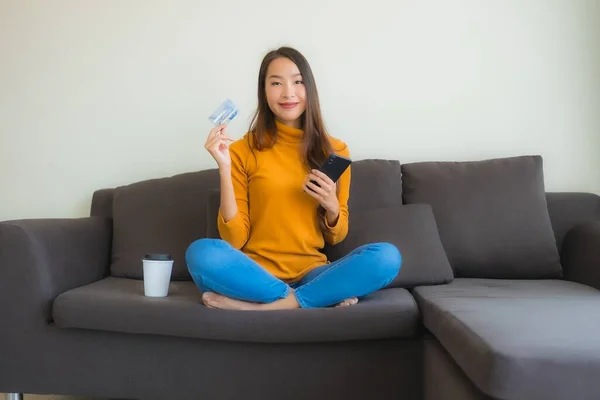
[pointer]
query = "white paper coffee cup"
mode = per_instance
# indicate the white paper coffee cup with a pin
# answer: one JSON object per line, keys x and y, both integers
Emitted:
{"x": 157, "y": 274}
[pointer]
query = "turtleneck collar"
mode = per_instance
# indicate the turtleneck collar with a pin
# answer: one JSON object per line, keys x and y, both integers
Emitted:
{"x": 289, "y": 134}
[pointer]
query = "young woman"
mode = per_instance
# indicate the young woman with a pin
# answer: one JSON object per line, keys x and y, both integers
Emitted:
{"x": 273, "y": 220}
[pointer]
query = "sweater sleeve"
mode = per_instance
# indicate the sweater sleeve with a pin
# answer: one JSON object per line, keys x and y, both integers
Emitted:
{"x": 236, "y": 231}
{"x": 336, "y": 233}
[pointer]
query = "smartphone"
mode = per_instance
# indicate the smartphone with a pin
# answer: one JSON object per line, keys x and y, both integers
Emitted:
{"x": 334, "y": 167}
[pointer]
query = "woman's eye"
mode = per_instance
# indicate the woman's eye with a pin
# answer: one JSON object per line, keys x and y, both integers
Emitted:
{"x": 275, "y": 83}
{"x": 299, "y": 82}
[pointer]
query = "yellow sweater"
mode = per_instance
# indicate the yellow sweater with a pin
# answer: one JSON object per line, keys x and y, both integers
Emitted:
{"x": 277, "y": 224}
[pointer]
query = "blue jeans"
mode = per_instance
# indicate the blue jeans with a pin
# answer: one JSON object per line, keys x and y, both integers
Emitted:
{"x": 215, "y": 266}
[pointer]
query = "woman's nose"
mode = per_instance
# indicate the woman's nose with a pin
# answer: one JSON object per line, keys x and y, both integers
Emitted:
{"x": 288, "y": 92}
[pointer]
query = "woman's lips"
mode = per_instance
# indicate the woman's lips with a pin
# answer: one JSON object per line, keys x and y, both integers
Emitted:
{"x": 288, "y": 105}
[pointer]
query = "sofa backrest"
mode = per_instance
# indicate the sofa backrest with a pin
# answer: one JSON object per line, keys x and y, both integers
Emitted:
{"x": 102, "y": 203}
{"x": 489, "y": 211}
{"x": 173, "y": 210}
{"x": 158, "y": 216}
{"x": 375, "y": 184}
{"x": 492, "y": 215}
{"x": 168, "y": 214}
{"x": 566, "y": 209}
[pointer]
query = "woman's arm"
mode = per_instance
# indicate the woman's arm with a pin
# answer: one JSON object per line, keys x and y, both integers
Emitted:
{"x": 333, "y": 197}
{"x": 228, "y": 204}
{"x": 336, "y": 227}
{"x": 233, "y": 219}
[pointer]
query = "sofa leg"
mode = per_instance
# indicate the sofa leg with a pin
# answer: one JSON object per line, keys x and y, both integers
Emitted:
{"x": 14, "y": 396}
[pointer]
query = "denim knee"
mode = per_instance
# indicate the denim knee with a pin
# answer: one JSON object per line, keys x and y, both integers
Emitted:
{"x": 205, "y": 255}
{"x": 388, "y": 261}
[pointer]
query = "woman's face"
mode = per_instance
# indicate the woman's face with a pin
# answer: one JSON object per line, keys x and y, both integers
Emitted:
{"x": 285, "y": 91}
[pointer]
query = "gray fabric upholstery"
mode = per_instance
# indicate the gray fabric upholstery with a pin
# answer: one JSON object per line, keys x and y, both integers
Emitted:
{"x": 444, "y": 380}
{"x": 496, "y": 345}
{"x": 61, "y": 254}
{"x": 519, "y": 339}
{"x": 492, "y": 215}
{"x": 148, "y": 367}
{"x": 581, "y": 254}
{"x": 567, "y": 210}
{"x": 375, "y": 183}
{"x": 213, "y": 202}
{"x": 40, "y": 259}
{"x": 159, "y": 216}
{"x": 118, "y": 304}
{"x": 412, "y": 229}
{"x": 102, "y": 203}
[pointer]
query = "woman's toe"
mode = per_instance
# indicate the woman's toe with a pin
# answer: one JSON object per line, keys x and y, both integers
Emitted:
{"x": 348, "y": 302}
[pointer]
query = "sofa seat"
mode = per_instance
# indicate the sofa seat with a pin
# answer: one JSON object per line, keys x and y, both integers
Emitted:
{"x": 119, "y": 305}
{"x": 519, "y": 339}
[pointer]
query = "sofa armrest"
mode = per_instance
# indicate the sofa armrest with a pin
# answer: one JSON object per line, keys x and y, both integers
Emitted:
{"x": 570, "y": 209}
{"x": 41, "y": 258}
{"x": 581, "y": 254}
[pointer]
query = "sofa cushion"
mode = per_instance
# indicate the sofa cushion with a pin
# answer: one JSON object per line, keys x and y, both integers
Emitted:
{"x": 519, "y": 339}
{"x": 119, "y": 305}
{"x": 492, "y": 215}
{"x": 159, "y": 216}
{"x": 412, "y": 229}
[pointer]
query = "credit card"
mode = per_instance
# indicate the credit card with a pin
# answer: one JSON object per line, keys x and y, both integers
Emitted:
{"x": 224, "y": 114}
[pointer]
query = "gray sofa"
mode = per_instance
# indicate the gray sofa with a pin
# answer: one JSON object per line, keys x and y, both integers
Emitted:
{"x": 497, "y": 297}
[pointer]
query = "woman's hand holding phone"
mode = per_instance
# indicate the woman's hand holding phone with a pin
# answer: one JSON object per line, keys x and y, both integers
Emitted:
{"x": 323, "y": 190}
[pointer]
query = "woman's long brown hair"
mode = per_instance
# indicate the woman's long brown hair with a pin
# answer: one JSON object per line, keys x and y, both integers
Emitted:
{"x": 263, "y": 132}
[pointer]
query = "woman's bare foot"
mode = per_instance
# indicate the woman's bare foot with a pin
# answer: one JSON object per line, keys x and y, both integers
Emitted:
{"x": 215, "y": 300}
{"x": 348, "y": 302}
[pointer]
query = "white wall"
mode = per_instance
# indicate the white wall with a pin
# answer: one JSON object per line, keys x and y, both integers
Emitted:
{"x": 95, "y": 94}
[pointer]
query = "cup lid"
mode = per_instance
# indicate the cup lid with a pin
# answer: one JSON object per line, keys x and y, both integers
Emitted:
{"x": 157, "y": 257}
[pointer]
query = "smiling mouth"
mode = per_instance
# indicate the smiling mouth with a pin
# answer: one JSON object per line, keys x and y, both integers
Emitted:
{"x": 288, "y": 105}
